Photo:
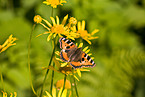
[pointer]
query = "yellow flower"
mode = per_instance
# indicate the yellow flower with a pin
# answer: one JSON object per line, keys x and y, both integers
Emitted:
{"x": 60, "y": 84}
{"x": 73, "y": 20}
{"x": 55, "y": 28}
{"x": 37, "y": 19}
{"x": 54, "y": 3}
{"x": 11, "y": 95}
{"x": 84, "y": 33}
{"x": 60, "y": 93}
{"x": 8, "y": 43}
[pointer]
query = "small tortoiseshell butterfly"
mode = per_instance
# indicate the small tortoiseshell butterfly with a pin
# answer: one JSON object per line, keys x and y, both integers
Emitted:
{"x": 76, "y": 57}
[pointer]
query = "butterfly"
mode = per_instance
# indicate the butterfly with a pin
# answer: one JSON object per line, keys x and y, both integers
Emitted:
{"x": 71, "y": 53}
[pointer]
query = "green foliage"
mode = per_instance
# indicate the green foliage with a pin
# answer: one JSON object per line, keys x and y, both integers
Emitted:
{"x": 119, "y": 54}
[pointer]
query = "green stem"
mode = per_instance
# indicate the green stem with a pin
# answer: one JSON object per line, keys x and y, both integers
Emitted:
{"x": 75, "y": 85}
{"x": 29, "y": 46}
{"x": 2, "y": 82}
{"x": 48, "y": 67}
{"x": 52, "y": 79}
{"x": 49, "y": 62}
{"x": 71, "y": 86}
{"x": 64, "y": 83}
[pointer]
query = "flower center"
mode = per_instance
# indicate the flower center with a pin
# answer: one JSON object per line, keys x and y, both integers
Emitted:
{"x": 58, "y": 29}
{"x": 54, "y": 2}
{"x": 73, "y": 20}
{"x": 83, "y": 33}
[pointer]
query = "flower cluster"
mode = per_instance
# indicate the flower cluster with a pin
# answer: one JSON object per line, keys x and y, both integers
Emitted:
{"x": 7, "y": 43}
{"x": 71, "y": 30}
{"x": 61, "y": 93}
{"x": 54, "y": 3}
{"x": 11, "y": 95}
{"x": 59, "y": 87}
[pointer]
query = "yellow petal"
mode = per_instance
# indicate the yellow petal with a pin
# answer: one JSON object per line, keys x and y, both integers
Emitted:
{"x": 54, "y": 92}
{"x": 60, "y": 91}
{"x": 54, "y": 35}
{"x": 64, "y": 20}
{"x": 43, "y": 33}
{"x": 62, "y": 1}
{"x": 53, "y": 21}
{"x": 59, "y": 59}
{"x": 64, "y": 93}
{"x": 79, "y": 25}
{"x": 80, "y": 45}
{"x": 87, "y": 51}
{"x": 95, "y": 31}
{"x": 82, "y": 69}
{"x": 5, "y": 43}
{"x": 63, "y": 64}
{"x": 69, "y": 37}
{"x": 90, "y": 38}
{"x": 60, "y": 35}
{"x": 57, "y": 20}
{"x": 45, "y": 2}
{"x": 74, "y": 28}
{"x": 11, "y": 95}
{"x": 15, "y": 94}
{"x": 92, "y": 58}
{"x": 45, "y": 26}
{"x": 79, "y": 72}
{"x": 76, "y": 78}
{"x": 48, "y": 94}
{"x": 88, "y": 41}
{"x": 69, "y": 94}
{"x": 3, "y": 49}
{"x": 57, "y": 52}
{"x": 47, "y": 23}
{"x": 90, "y": 54}
{"x": 4, "y": 94}
{"x": 49, "y": 36}
{"x": 85, "y": 48}
{"x": 83, "y": 25}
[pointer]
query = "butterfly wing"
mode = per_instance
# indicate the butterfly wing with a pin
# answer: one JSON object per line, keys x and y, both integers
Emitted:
{"x": 86, "y": 61}
{"x": 66, "y": 44}
{"x": 67, "y": 47}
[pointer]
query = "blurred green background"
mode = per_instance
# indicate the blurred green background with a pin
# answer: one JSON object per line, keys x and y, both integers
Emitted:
{"x": 119, "y": 50}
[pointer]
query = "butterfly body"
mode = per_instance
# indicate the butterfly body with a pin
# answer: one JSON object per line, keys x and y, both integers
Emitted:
{"x": 76, "y": 57}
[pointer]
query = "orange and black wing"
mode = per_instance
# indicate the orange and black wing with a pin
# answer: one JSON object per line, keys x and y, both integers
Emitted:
{"x": 85, "y": 61}
{"x": 67, "y": 48}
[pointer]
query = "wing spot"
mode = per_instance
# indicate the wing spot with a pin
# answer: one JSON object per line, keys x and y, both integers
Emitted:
{"x": 68, "y": 47}
{"x": 91, "y": 61}
{"x": 85, "y": 55}
{"x": 83, "y": 59}
{"x": 88, "y": 58}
